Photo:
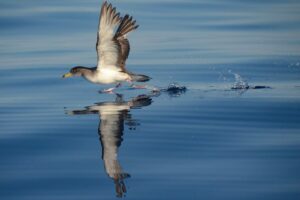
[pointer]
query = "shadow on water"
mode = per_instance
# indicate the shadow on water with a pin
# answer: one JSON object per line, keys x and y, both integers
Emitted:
{"x": 113, "y": 115}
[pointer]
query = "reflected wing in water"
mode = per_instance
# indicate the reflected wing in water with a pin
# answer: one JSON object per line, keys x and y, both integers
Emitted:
{"x": 112, "y": 117}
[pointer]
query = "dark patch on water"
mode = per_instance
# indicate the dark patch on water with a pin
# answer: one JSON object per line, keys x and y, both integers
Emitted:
{"x": 242, "y": 84}
{"x": 174, "y": 89}
{"x": 251, "y": 87}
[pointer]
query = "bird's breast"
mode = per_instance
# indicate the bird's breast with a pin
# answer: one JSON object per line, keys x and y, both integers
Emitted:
{"x": 107, "y": 76}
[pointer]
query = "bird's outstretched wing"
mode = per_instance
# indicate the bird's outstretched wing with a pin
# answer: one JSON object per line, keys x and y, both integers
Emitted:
{"x": 112, "y": 46}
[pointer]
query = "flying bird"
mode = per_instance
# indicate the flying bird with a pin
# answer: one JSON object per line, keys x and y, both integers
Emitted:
{"x": 112, "y": 51}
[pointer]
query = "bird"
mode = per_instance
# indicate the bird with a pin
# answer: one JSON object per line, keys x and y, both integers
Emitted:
{"x": 112, "y": 51}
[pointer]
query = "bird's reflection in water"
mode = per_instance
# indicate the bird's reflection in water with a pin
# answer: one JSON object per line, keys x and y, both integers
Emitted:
{"x": 112, "y": 117}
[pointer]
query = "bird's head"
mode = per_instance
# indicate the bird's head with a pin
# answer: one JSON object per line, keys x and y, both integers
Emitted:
{"x": 75, "y": 71}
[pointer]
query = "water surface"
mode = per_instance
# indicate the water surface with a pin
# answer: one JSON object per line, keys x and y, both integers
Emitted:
{"x": 61, "y": 139}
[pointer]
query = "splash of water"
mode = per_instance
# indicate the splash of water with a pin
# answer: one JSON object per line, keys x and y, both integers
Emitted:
{"x": 240, "y": 83}
{"x": 173, "y": 89}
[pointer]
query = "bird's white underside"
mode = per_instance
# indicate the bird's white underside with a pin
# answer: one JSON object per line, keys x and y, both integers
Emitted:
{"x": 107, "y": 70}
{"x": 108, "y": 75}
{"x": 108, "y": 50}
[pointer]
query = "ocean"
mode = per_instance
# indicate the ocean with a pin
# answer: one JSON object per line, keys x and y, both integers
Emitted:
{"x": 225, "y": 123}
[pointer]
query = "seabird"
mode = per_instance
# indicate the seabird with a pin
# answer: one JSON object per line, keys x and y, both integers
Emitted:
{"x": 112, "y": 49}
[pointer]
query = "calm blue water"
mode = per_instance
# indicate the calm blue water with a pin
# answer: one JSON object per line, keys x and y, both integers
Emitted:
{"x": 61, "y": 139}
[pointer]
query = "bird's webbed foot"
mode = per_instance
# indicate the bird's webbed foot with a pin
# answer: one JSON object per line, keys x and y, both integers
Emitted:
{"x": 107, "y": 91}
{"x": 110, "y": 90}
{"x": 138, "y": 86}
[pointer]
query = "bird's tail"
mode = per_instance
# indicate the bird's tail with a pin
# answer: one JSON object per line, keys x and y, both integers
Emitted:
{"x": 139, "y": 78}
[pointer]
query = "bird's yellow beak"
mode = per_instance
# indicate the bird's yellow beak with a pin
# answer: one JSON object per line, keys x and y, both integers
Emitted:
{"x": 67, "y": 75}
